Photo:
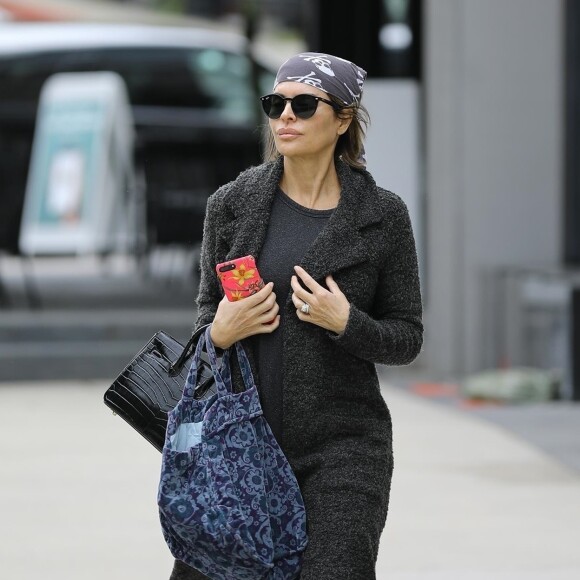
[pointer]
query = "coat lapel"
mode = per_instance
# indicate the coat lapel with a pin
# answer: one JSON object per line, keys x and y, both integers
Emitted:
{"x": 342, "y": 242}
{"x": 339, "y": 245}
{"x": 250, "y": 201}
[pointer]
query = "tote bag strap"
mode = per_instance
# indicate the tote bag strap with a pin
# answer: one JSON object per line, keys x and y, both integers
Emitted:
{"x": 223, "y": 374}
{"x": 245, "y": 366}
{"x": 192, "y": 376}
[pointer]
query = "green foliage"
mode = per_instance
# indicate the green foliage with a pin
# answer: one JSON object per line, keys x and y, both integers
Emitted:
{"x": 174, "y": 6}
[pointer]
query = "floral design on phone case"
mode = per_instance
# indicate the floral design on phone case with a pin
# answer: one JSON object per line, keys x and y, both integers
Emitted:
{"x": 239, "y": 278}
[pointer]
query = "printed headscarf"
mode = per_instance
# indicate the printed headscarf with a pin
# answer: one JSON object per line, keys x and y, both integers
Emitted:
{"x": 331, "y": 74}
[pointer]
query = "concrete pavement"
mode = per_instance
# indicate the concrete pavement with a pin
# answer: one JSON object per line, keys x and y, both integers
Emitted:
{"x": 469, "y": 500}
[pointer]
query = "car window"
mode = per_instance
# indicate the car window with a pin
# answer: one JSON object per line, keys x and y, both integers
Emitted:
{"x": 22, "y": 77}
{"x": 168, "y": 77}
{"x": 157, "y": 77}
{"x": 226, "y": 77}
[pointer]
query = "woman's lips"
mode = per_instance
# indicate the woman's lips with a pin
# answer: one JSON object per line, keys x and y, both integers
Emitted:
{"x": 287, "y": 133}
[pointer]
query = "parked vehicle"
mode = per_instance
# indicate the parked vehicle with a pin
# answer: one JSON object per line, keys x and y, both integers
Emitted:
{"x": 193, "y": 98}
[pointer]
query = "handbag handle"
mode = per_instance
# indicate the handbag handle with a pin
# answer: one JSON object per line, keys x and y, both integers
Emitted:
{"x": 176, "y": 367}
{"x": 223, "y": 374}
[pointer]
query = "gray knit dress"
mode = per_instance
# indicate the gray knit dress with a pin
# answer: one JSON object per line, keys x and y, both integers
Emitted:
{"x": 335, "y": 426}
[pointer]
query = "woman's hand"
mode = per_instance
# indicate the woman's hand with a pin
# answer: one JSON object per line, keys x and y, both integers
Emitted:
{"x": 256, "y": 314}
{"x": 328, "y": 308}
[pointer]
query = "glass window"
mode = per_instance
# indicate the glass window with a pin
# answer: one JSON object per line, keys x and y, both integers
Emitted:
{"x": 226, "y": 78}
{"x": 162, "y": 77}
{"x": 22, "y": 77}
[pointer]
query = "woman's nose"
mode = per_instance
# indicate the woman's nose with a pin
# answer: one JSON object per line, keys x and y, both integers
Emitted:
{"x": 288, "y": 112}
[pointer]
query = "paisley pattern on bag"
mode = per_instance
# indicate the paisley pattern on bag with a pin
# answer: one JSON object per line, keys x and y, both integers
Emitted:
{"x": 230, "y": 505}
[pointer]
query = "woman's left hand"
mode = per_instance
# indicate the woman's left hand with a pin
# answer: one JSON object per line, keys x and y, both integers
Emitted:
{"x": 328, "y": 308}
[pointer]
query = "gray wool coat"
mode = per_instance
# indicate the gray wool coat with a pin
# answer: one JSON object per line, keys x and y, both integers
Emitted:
{"x": 337, "y": 432}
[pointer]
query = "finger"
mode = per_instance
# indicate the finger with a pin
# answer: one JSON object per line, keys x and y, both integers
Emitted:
{"x": 269, "y": 315}
{"x": 304, "y": 317}
{"x": 296, "y": 301}
{"x": 259, "y": 296}
{"x": 266, "y": 289}
{"x": 308, "y": 280}
{"x": 299, "y": 291}
{"x": 271, "y": 311}
{"x": 266, "y": 305}
{"x": 332, "y": 285}
{"x": 269, "y": 326}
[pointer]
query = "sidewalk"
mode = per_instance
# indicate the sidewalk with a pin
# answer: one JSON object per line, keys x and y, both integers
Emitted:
{"x": 469, "y": 500}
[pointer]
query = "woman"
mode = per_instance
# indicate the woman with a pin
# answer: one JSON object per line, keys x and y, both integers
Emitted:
{"x": 343, "y": 295}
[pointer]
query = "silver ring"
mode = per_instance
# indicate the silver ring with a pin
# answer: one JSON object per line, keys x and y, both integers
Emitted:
{"x": 305, "y": 308}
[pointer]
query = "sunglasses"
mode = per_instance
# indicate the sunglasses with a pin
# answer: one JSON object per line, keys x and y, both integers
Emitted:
{"x": 304, "y": 106}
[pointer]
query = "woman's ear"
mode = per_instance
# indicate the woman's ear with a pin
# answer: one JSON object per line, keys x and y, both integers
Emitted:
{"x": 344, "y": 123}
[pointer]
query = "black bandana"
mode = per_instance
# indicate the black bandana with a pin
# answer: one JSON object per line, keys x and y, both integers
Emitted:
{"x": 331, "y": 74}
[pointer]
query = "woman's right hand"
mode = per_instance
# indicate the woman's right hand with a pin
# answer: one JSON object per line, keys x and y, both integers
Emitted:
{"x": 256, "y": 314}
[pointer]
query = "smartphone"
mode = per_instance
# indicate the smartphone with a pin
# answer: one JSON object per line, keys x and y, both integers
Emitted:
{"x": 239, "y": 278}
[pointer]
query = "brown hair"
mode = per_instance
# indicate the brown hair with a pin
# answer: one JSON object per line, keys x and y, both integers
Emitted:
{"x": 350, "y": 144}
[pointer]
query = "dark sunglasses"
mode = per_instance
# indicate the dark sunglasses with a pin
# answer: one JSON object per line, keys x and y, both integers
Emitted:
{"x": 304, "y": 106}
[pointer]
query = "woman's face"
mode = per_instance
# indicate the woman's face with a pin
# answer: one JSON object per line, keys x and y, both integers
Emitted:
{"x": 306, "y": 138}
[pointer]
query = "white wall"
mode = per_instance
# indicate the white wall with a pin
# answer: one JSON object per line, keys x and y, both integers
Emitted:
{"x": 493, "y": 87}
{"x": 392, "y": 144}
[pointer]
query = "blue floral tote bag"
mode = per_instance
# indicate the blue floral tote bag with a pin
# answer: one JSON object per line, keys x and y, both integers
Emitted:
{"x": 229, "y": 502}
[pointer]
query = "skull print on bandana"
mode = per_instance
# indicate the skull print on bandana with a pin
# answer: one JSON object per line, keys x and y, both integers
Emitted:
{"x": 331, "y": 74}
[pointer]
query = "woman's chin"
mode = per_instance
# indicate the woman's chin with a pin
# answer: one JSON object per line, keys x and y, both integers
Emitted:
{"x": 289, "y": 148}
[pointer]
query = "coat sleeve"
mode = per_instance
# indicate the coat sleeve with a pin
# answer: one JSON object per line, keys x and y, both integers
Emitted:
{"x": 392, "y": 334}
{"x": 209, "y": 292}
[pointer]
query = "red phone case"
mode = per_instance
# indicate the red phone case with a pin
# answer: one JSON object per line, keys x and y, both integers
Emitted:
{"x": 240, "y": 278}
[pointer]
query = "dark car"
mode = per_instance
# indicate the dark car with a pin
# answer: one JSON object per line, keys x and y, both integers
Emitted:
{"x": 193, "y": 94}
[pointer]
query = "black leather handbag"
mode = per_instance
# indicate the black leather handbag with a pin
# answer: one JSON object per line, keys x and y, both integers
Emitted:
{"x": 152, "y": 383}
